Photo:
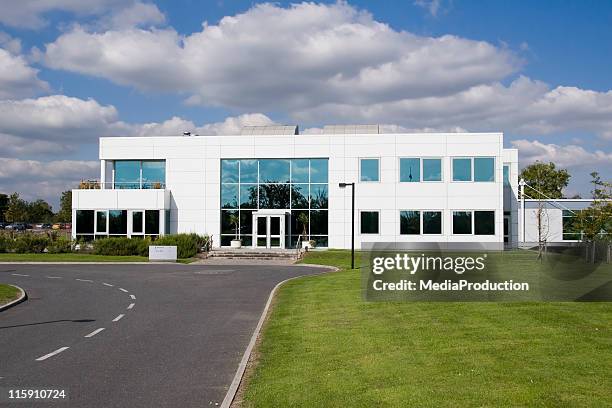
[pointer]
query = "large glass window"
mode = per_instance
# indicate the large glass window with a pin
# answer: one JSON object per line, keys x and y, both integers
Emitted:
{"x": 410, "y": 170}
{"x": 101, "y": 222}
{"x": 484, "y": 222}
{"x": 571, "y": 230}
{"x": 369, "y": 222}
{"x": 134, "y": 174}
{"x": 506, "y": 175}
{"x": 117, "y": 222}
{"x": 85, "y": 221}
{"x": 432, "y": 222}
{"x": 462, "y": 222}
{"x": 484, "y": 169}
{"x": 432, "y": 169}
{"x": 153, "y": 174}
{"x": 369, "y": 170}
{"x": 152, "y": 222}
{"x": 410, "y": 222}
{"x": 462, "y": 169}
{"x": 137, "y": 222}
{"x": 127, "y": 174}
{"x": 299, "y": 186}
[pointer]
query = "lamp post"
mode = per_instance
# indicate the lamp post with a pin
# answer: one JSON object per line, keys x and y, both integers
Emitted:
{"x": 352, "y": 185}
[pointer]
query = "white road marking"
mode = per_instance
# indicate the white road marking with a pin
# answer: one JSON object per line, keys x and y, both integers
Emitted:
{"x": 93, "y": 333}
{"x": 116, "y": 319}
{"x": 123, "y": 290}
{"x": 54, "y": 277}
{"x": 133, "y": 297}
{"x": 107, "y": 284}
{"x": 131, "y": 306}
{"x": 18, "y": 274}
{"x": 84, "y": 280}
{"x": 46, "y": 356}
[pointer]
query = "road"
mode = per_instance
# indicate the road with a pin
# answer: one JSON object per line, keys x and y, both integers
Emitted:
{"x": 132, "y": 335}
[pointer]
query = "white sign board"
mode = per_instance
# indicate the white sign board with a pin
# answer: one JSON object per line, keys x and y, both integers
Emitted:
{"x": 162, "y": 253}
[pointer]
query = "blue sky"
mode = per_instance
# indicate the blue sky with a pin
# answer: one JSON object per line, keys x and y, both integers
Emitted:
{"x": 71, "y": 71}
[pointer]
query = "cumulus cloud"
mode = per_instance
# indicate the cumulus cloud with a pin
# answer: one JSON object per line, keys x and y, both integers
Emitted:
{"x": 563, "y": 156}
{"x": 432, "y": 6}
{"x": 134, "y": 15}
{"x": 17, "y": 78}
{"x": 308, "y": 54}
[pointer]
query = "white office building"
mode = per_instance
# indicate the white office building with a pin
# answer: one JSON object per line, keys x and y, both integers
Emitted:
{"x": 270, "y": 185}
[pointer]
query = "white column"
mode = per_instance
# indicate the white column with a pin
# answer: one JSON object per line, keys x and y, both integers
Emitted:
{"x": 103, "y": 174}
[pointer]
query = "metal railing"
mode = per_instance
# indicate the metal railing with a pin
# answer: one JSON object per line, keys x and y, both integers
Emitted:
{"x": 121, "y": 185}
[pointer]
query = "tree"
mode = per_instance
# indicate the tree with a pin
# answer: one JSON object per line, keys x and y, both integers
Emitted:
{"x": 546, "y": 179}
{"x": 39, "y": 211}
{"x": 65, "y": 212}
{"x": 4, "y": 199}
{"x": 17, "y": 209}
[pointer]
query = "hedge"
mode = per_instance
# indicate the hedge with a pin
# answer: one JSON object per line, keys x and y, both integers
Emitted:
{"x": 188, "y": 245}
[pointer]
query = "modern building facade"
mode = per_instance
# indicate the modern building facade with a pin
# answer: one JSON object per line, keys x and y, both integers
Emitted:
{"x": 269, "y": 185}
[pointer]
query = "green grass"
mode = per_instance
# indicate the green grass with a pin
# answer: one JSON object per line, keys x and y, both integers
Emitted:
{"x": 8, "y": 293}
{"x": 323, "y": 346}
{"x": 69, "y": 258}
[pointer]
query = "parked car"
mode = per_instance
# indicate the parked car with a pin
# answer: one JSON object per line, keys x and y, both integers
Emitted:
{"x": 56, "y": 226}
{"x": 2, "y": 225}
{"x": 46, "y": 226}
{"x": 17, "y": 226}
{"x": 38, "y": 226}
{"x": 67, "y": 226}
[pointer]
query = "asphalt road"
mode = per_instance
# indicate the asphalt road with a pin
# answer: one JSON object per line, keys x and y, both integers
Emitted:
{"x": 178, "y": 344}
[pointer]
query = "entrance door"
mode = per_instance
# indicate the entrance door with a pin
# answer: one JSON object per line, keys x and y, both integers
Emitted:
{"x": 269, "y": 231}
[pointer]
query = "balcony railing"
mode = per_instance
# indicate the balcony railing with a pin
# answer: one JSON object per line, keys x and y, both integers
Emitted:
{"x": 98, "y": 185}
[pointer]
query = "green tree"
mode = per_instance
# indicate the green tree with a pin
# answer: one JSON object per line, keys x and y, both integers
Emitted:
{"x": 65, "y": 212}
{"x": 546, "y": 179}
{"x": 4, "y": 199}
{"x": 17, "y": 209}
{"x": 39, "y": 211}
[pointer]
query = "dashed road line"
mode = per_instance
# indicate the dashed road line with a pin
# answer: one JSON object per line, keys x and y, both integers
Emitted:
{"x": 133, "y": 297}
{"x": 93, "y": 333}
{"x": 46, "y": 356}
{"x": 18, "y": 274}
{"x": 53, "y": 277}
{"x": 116, "y": 319}
{"x": 107, "y": 284}
{"x": 123, "y": 290}
{"x": 84, "y": 280}
{"x": 131, "y": 306}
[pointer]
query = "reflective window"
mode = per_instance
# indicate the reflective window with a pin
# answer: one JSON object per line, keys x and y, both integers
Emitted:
{"x": 410, "y": 170}
{"x": 571, "y": 229}
{"x": 153, "y": 174}
{"x": 369, "y": 170}
{"x": 484, "y": 169}
{"x": 85, "y": 222}
{"x": 318, "y": 196}
{"x": 274, "y": 171}
{"x": 506, "y": 175}
{"x": 369, "y": 222}
{"x": 229, "y": 171}
{"x": 299, "y": 196}
{"x": 248, "y": 171}
{"x": 319, "y": 170}
{"x": 462, "y": 169}
{"x": 229, "y": 195}
{"x": 274, "y": 196}
{"x": 152, "y": 222}
{"x": 318, "y": 222}
{"x": 101, "y": 222}
{"x": 484, "y": 222}
{"x": 299, "y": 171}
{"x": 462, "y": 222}
{"x": 117, "y": 222}
{"x": 227, "y": 221}
{"x": 248, "y": 196}
{"x": 432, "y": 169}
{"x": 137, "y": 222}
{"x": 410, "y": 222}
{"x": 432, "y": 222}
{"x": 127, "y": 174}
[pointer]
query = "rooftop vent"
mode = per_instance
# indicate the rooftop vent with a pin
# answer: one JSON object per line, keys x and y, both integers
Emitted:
{"x": 270, "y": 130}
{"x": 350, "y": 129}
{"x": 186, "y": 133}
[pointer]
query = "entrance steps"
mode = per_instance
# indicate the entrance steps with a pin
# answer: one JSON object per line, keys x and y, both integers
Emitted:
{"x": 255, "y": 254}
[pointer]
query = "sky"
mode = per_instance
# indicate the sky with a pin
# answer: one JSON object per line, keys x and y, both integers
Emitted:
{"x": 74, "y": 70}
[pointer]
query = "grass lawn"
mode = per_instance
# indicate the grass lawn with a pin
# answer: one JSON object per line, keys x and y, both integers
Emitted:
{"x": 8, "y": 293}
{"x": 323, "y": 346}
{"x": 69, "y": 258}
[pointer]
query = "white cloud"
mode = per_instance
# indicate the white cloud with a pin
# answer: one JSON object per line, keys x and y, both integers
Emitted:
{"x": 135, "y": 15}
{"x": 308, "y": 54}
{"x": 432, "y": 6}
{"x": 12, "y": 45}
{"x": 17, "y": 78}
{"x": 562, "y": 156}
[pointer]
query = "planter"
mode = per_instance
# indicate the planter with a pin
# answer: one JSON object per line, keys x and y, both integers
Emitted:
{"x": 236, "y": 243}
{"x": 305, "y": 244}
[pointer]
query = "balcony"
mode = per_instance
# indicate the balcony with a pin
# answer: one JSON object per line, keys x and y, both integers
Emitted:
{"x": 143, "y": 185}
{"x": 91, "y": 196}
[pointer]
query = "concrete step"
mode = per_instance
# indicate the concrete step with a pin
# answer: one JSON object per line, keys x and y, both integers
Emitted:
{"x": 253, "y": 254}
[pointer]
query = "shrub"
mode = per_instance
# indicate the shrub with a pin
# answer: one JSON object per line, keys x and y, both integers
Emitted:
{"x": 6, "y": 243}
{"x": 30, "y": 243}
{"x": 188, "y": 245}
{"x": 60, "y": 245}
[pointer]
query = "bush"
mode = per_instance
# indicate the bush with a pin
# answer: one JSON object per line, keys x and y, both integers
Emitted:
{"x": 60, "y": 245}
{"x": 6, "y": 243}
{"x": 30, "y": 243}
{"x": 188, "y": 245}
{"x": 117, "y": 246}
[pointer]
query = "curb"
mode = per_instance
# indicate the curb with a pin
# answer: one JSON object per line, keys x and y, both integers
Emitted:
{"x": 22, "y": 298}
{"x": 88, "y": 263}
{"x": 233, "y": 389}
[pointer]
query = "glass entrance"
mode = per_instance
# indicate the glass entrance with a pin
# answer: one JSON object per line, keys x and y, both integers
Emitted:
{"x": 268, "y": 231}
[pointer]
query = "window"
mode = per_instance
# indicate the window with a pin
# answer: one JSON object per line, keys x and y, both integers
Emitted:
{"x": 248, "y": 171}
{"x": 127, "y": 174}
{"x": 274, "y": 171}
{"x": 462, "y": 222}
{"x": 117, "y": 222}
{"x": 462, "y": 169}
{"x": 410, "y": 170}
{"x": 369, "y": 222}
{"x": 506, "y": 175}
{"x": 101, "y": 222}
{"x": 432, "y": 222}
{"x": 299, "y": 171}
{"x": 135, "y": 174}
{"x": 319, "y": 170}
{"x": 410, "y": 222}
{"x": 152, "y": 222}
{"x": 153, "y": 174}
{"x": 484, "y": 222}
{"x": 369, "y": 170}
{"x": 229, "y": 195}
{"x": 137, "y": 222}
{"x": 432, "y": 169}
{"x": 571, "y": 231}
{"x": 85, "y": 221}
{"x": 484, "y": 169}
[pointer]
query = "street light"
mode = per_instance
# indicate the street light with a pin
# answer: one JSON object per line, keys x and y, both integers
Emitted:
{"x": 352, "y": 185}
